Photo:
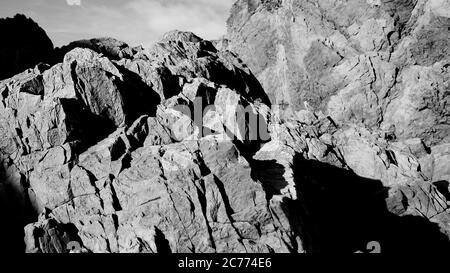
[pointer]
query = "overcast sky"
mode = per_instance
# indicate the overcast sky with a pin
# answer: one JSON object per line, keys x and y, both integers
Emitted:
{"x": 133, "y": 21}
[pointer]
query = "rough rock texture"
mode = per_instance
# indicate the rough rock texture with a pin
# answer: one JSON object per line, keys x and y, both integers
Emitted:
{"x": 178, "y": 148}
{"x": 378, "y": 70}
{"x": 100, "y": 144}
{"x": 24, "y": 44}
{"x": 372, "y": 62}
{"x": 110, "y": 47}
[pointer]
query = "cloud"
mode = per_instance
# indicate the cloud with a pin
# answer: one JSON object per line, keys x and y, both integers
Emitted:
{"x": 73, "y": 2}
{"x": 206, "y": 18}
{"x": 132, "y": 21}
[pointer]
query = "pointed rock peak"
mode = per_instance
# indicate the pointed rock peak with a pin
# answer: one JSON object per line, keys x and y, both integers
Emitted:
{"x": 183, "y": 36}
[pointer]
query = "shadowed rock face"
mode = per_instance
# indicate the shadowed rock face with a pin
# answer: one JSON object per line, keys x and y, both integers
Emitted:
{"x": 24, "y": 44}
{"x": 102, "y": 145}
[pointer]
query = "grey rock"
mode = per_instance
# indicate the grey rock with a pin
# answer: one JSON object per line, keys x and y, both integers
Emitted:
{"x": 358, "y": 61}
{"x": 354, "y": 145}
{"x": 175, "y": 193}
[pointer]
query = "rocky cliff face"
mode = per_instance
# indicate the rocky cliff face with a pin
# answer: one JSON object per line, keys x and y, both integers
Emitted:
{"x": 99, "y": 145}
{"x": 380, "y": 63}
{"x": 378, "y": 69}
{"x": 180, "y": 148}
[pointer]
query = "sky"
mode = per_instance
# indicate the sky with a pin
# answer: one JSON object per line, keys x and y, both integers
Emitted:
{"x": 136, "y": 22}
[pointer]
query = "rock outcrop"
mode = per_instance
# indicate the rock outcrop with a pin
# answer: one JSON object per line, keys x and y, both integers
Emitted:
{"x": 24, "y": 44}
{"x": 380, "y": 63}
{"x": 102, "y": 144}
{"x": 376, "y": 69}
{"x": 178, "y": 148}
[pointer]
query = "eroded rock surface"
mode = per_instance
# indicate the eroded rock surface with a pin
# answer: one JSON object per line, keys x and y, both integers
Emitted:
{"x": 179, "y": 147}
{"x": 104, "y": 146}
{"x": 378, "y": 71}
{"x": 372, "y": 62}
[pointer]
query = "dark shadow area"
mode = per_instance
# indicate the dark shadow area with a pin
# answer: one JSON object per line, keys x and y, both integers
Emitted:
{"x": 139, "y": 98}
{"x": 254, "y": 129}
{"x": 24, "y": 45}
{"x": 84, "y": 127}
{"x": 443, "y": 188}
{"x": 12, "y": 233}
{"x": 171, "y": 85}
{"x": 240, "y": 80}
{"x": 88, "y": 128}
{"x": 270, "y": 174}
{"x": 162, "y": 245}
{"x": 16, "y": 211}
{"x": 71, "y": 232}
{"x": 347, "y": 211}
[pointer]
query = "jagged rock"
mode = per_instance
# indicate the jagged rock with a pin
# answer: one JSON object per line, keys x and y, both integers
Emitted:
{"x": 188, "y": 56}
{"x": 178, "y": 193}
{"x": 110, "y": 47}
{"x": 73, "y": 101}
{"x": 194, "y": 196}
{"x": 196, "y": 206}
{"x": 24, "y": 45}
{"x": 177, "y": 148}
{"x": 377, "y": 72}
{"x": 365, "y": 61}
{"x": 421, "y": 108}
